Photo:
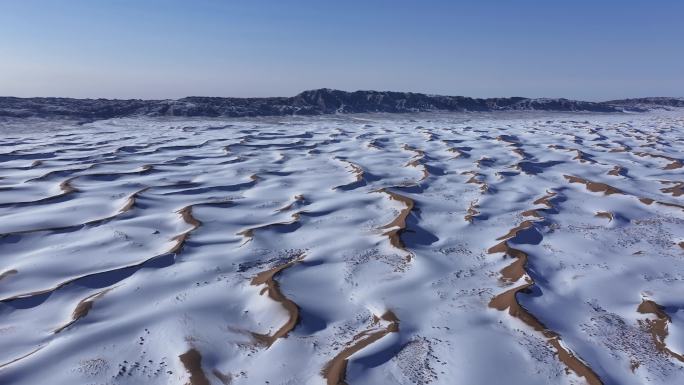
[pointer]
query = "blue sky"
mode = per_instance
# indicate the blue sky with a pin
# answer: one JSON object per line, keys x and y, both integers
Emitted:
{"x": 592, "y": 50}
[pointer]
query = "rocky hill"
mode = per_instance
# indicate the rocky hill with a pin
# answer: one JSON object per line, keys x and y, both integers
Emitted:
{"x": 312, "y": 102}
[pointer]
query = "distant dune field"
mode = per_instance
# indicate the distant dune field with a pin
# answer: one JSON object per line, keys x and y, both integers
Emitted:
{"x": 429, "y": 248}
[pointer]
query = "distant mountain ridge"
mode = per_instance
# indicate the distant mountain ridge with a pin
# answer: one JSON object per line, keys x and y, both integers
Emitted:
{"x": 311, "y": 102}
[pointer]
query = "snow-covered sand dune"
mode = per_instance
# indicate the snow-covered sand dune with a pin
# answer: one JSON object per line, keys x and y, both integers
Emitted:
{"x": 516, "y": 248}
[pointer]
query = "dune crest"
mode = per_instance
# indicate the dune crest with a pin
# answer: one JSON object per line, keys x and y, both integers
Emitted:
{"x": 508, "y": 300}
{"x": 335, "y": 370}
{"x": 272, "y": 288}
{"x": 398, "y": 224}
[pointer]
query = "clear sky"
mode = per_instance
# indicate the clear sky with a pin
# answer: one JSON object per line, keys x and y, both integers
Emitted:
{"x": 598, "y": 49}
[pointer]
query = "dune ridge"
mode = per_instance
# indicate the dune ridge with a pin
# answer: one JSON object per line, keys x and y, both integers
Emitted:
{"x": 286, "y": 250}
{"x": 398, "y": 224}
{"x": 508, "y": 300}
{"x": 272, "y": 288}
{"x": 335, "y": 370}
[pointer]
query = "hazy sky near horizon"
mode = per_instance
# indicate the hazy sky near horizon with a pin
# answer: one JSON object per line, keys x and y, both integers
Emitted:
{"x": 593, "y": 50}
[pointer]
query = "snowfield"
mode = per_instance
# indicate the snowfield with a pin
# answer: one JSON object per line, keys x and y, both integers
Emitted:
{"x": 481, "y": 248}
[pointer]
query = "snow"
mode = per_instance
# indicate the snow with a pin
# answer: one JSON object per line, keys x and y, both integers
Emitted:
{"x": 323, "y": 195}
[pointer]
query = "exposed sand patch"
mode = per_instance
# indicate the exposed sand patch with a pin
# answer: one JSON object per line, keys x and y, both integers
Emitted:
{"x": 272, "y": 287}
{"x": 335, "y": 370}
{"x": 658, "y": 327}
{"x": 508, "y": 301}
{"x": 186, "y": 214}
{"x": 514, "y": 231}
{"x": 618, "y": 171}
{"x": 82, "y": 309}
{"x": 298, "y": 199}
{"x": 622, "y": 148}
{"x": 531, "y": 213}
{"x": 359, "y": 176}
{"x": 583, "y": 157}
{"x": 472, "y": 211}
{"x": 646, "y": 201}
{"x": 514, "y": 271}
{"x": 476, "y": 178}
{"x": 676, "y": 190}
{"x": 459, "y": 153}
{"x": 417, "y": 161}
{"x": 130, "y": 201}
{"x": 605, "y": 214}
{"x": 192, "y": 361}
{"x": 181, "y": 239}
{"x": 67, "y": 187}
{"x": 594, "y": 186}
{"x": 398, "y": 225}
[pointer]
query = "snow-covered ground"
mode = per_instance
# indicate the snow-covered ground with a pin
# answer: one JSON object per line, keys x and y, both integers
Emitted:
{"x": 503, "y": 248}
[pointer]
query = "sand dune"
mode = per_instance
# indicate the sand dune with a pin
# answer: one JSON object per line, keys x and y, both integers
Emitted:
{"x": 334, "y": 371}
{"x": 272, "y": 288}
{"x": 81, "y": 310}
{"x": 604, "y": 188}
{"x": 398, "y": 224}
{"x": 508, "y": 300}
{"x": 516, "y": 247}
